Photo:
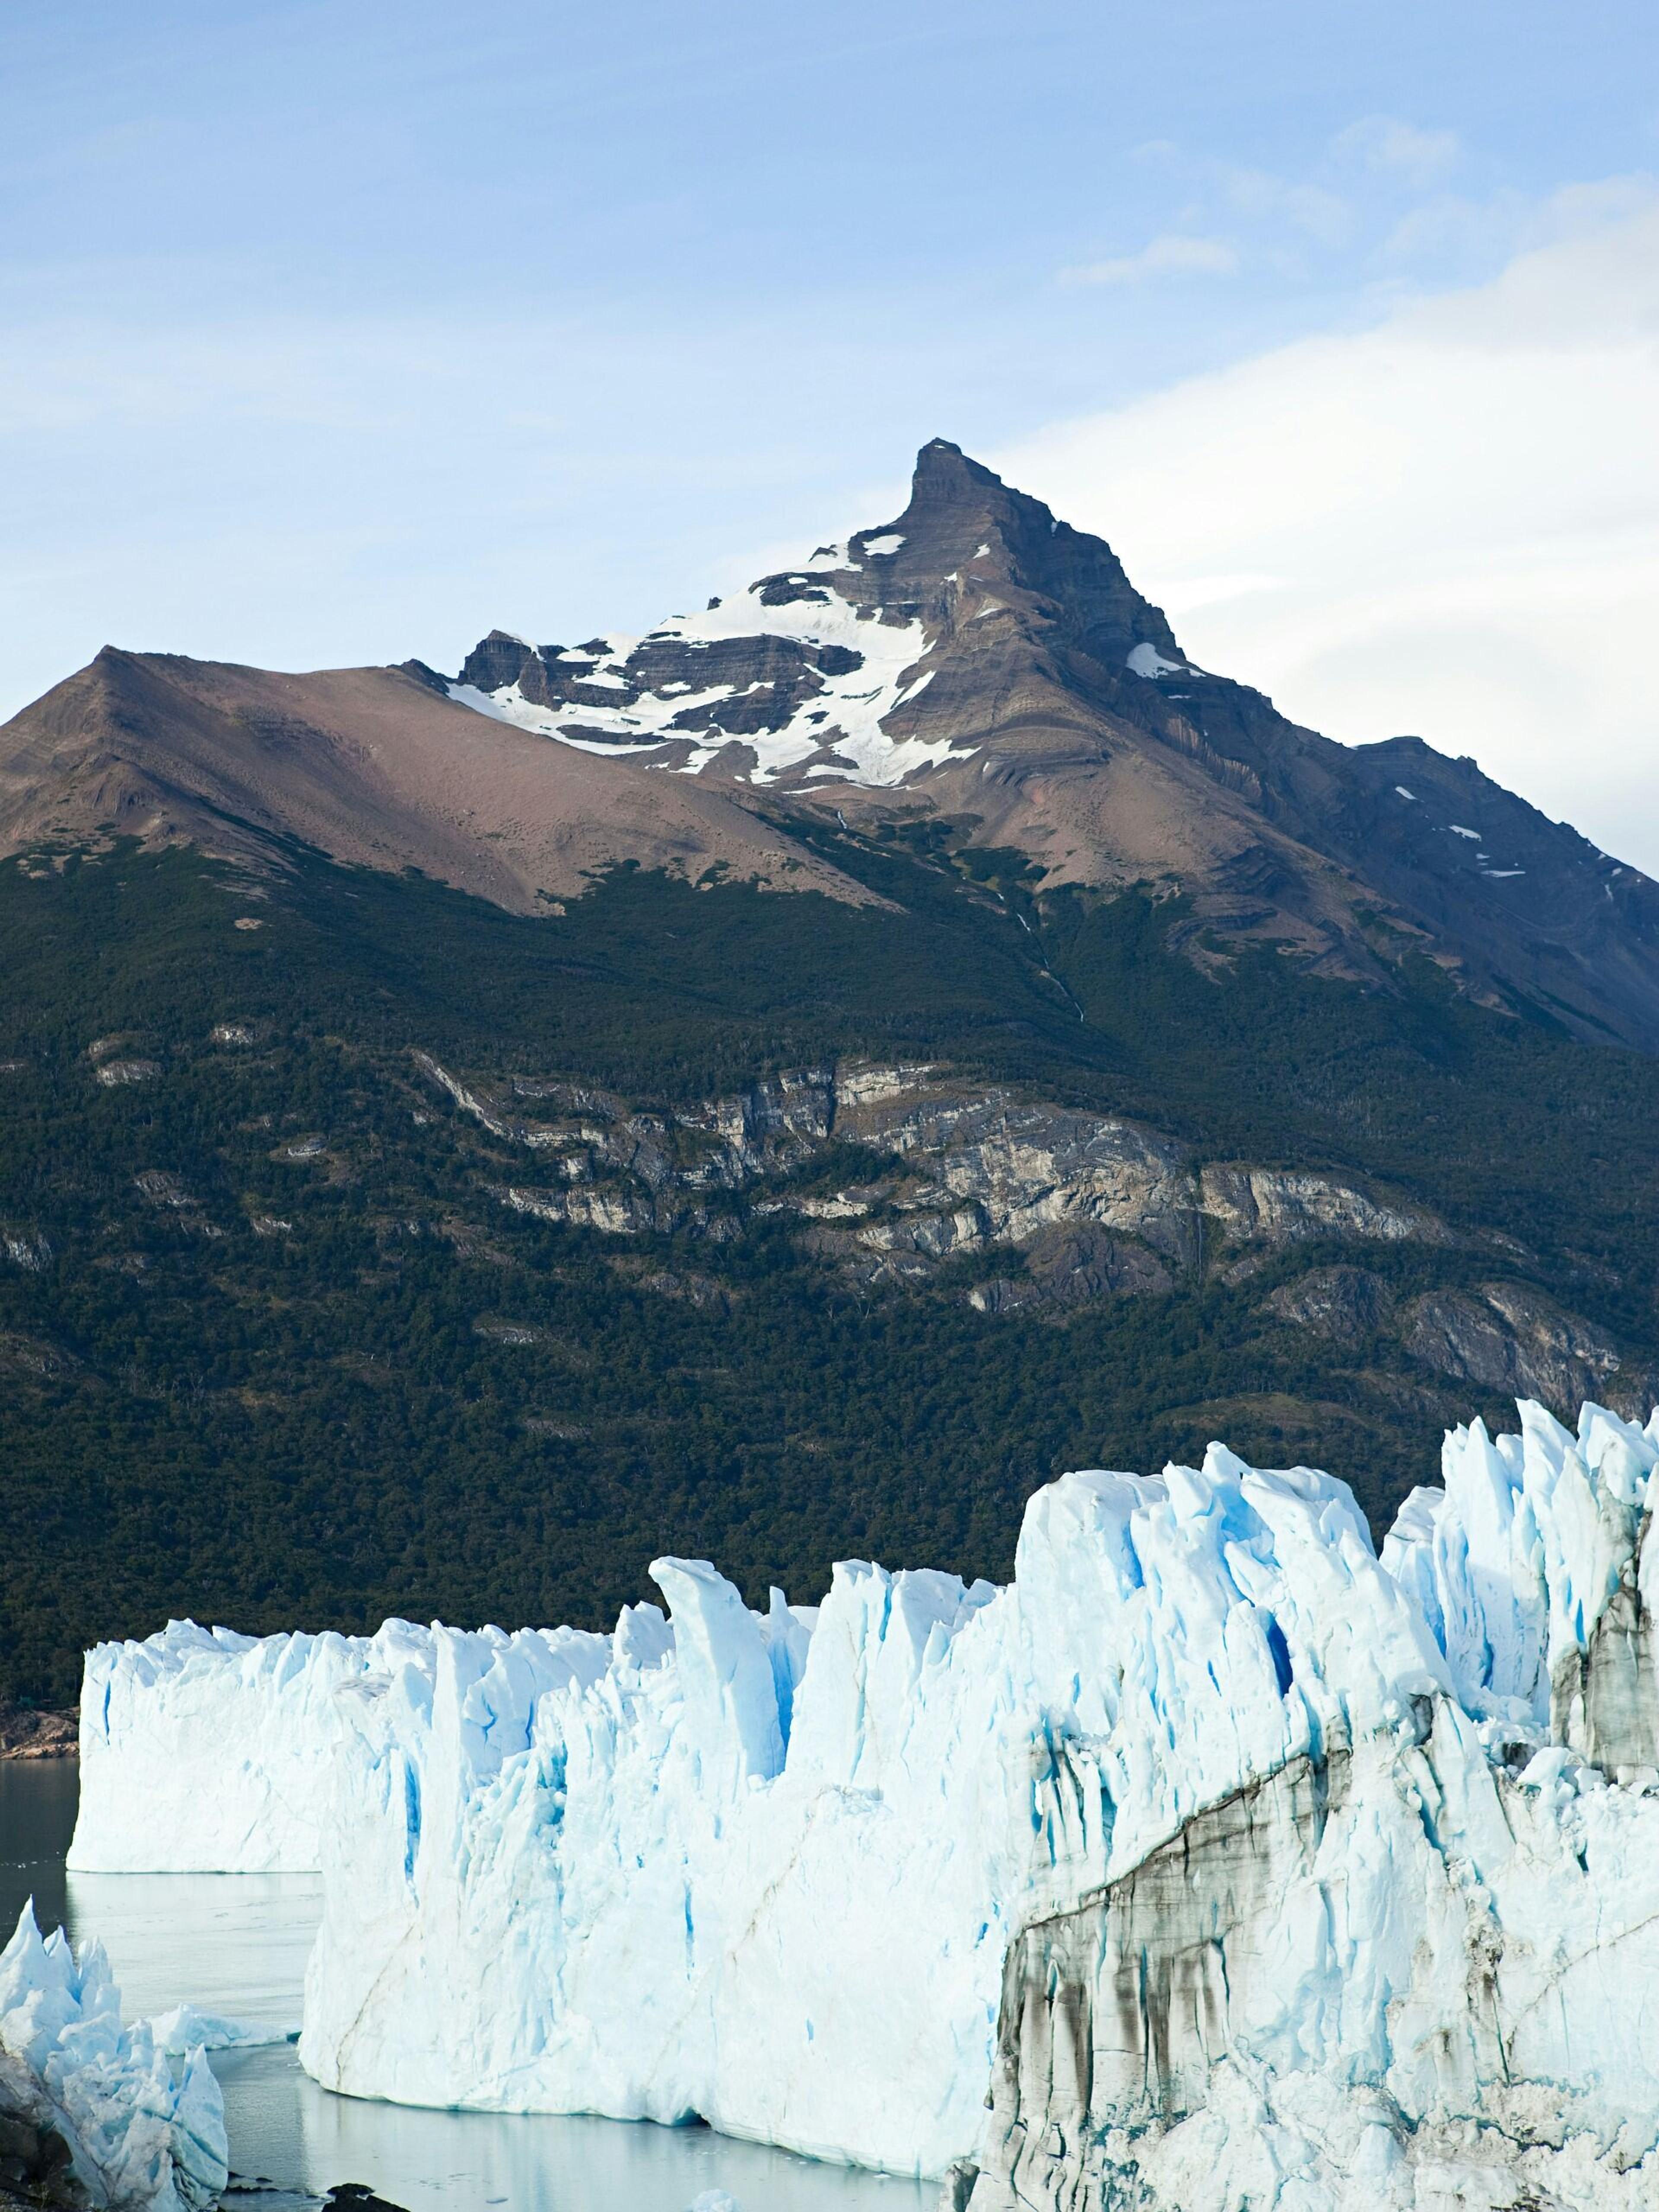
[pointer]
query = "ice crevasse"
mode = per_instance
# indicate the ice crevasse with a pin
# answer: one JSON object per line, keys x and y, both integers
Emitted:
{"x": 1238, "y": 1866}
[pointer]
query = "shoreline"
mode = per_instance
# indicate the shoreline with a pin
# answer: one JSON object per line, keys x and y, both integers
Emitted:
{"x": 26, "y": 1734}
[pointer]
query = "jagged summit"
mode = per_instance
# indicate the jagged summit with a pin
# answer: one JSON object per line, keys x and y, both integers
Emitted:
{"x": 963, "y": 520}
{"x": 815, "y": 673}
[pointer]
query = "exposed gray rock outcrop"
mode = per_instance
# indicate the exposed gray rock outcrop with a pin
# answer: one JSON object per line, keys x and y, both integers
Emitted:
{"x": 27, "y": 1733}
{"x": 1275, "y": 1207}
{"x": 1099, "y": 1205}
{"x": 1344, "y": 1305}
{"x": 1519, "y": 1344}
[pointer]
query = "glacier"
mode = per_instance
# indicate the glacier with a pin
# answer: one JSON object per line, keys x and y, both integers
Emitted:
{"x": 1215, "y": 1861}
{"x": 143, "y": 2132}
{"x": 205, "y": 1752}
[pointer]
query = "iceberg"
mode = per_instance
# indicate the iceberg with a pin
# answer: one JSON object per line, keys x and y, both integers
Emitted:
{"x": 141, "y": 2133}
{"x": 1240, "y": 1865}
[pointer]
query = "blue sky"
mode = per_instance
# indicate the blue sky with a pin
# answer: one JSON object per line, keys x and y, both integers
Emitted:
{"x": 343, "y": 332}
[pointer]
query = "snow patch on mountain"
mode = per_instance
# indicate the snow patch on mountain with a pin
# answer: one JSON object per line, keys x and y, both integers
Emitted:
{"x": 510, "y": 705}
{"x": 837, "y": 724}
{"x": 1147, "y": 661}
{"x": 844, "y": 720}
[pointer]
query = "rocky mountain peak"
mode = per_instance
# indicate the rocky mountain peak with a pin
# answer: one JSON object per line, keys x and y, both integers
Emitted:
{"x": 809, "y": 677}
{"x": 966, "y": 533}
{"x": 950, "y": 490}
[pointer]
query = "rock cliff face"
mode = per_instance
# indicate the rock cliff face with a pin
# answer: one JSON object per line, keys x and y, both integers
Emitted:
{"x": 26, "y": 1734}
{"x": 971, "y": 1168}
{"x": 1512, "y": 1340}
{"x": 1058, "y": 1206}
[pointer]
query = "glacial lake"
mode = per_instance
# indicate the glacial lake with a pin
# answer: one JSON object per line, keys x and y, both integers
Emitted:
{"x": 236, "y": 1945}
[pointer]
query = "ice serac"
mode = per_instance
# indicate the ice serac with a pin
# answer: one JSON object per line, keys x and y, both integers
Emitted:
{"x": 1537, "y": 1567}
{"x": 203, "y": 1751}
{"x": 1245, "y": 1867}
{"x": 140, "y": 2131}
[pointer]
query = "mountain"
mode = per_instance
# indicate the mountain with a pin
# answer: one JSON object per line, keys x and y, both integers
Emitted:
{"x": 443, "y": 1162}
{"x": 975, "y": 664}
{"x": 981, "y": 660}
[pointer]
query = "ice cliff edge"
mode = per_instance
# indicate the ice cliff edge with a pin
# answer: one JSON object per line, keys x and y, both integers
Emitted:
{"x": 1244, "y": 1867}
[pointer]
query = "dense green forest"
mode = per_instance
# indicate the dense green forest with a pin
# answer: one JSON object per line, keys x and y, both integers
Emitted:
{"x": 270, "y": 1353}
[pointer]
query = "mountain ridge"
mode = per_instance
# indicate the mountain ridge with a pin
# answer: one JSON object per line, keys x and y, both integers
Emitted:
{"x": 976, "y": 665}
{"x": 470, "y": 1347}
{"x": 366, "y": 765}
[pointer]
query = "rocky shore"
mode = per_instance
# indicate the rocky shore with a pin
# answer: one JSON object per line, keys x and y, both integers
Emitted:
{"x": 27, "y": 1733}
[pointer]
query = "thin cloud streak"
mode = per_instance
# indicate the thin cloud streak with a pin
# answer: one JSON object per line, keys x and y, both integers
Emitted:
{"x": 1167, "y": 255}
{"x": 1384, "y": 142}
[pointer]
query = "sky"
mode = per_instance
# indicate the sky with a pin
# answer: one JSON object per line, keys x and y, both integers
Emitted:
{"x": 338, "y": 333}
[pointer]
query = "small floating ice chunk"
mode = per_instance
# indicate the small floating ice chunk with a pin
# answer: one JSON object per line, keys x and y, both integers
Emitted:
{"x": 187, "y": 2028}
{"x": 1404, "y": 793}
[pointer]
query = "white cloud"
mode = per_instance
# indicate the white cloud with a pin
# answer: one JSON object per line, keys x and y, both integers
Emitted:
{"x": 1169, "y": 255}
{"x": 1420, "y": 158}
{"x": 1318, "y": 214}
{"x": 1447, "y": 522}
{"x": 1450, "y": 225}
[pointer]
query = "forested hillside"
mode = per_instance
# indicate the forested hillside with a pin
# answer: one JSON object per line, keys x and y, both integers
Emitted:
{"x": 276, "y": 1349}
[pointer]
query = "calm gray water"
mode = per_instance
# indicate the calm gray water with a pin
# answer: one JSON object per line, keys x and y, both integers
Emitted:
{"x": 237, "y": 1943}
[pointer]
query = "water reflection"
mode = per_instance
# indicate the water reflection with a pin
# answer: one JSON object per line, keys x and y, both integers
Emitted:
{"x": 237, "y": 1944}
{"x": 38, "y": 1798}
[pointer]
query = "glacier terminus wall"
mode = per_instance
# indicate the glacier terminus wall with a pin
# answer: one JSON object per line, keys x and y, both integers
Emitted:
{"x": 1214, "y": 1861}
